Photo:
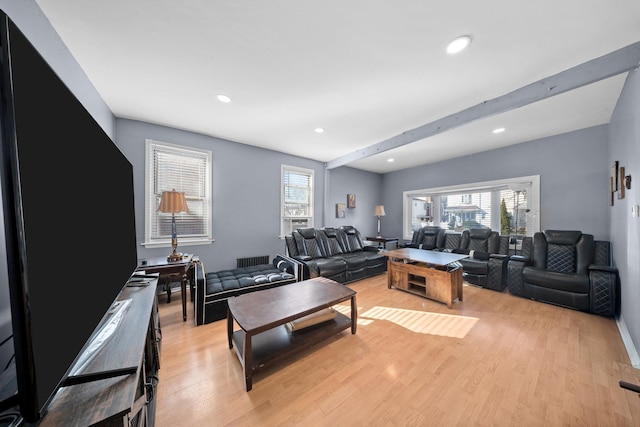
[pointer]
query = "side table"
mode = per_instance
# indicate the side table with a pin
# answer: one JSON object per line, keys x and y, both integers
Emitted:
{"x": 183, "y": 267}
{"x": 382, "y": 241}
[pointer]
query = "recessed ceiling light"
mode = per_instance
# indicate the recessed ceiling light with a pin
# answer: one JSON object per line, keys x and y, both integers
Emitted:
{"x": 223, "y": 98}
{"x": 319, "y": 130}
{"x": 498, "y": 130}
{"x": 458, "y": 45}
{"x": 390, "y": 160}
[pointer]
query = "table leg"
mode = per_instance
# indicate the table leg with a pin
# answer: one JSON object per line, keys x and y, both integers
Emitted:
{"x": 354, "y": 314}
{"x": 230, "y": 328}
{"x": 183, "y": 288}
{"x": 248, "y": 362}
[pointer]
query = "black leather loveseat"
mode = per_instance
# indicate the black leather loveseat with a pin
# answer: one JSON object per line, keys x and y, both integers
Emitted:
{"x": 336, "y": 253}
{"x": 213, "y": 289}
{"x": 567, "y": 268}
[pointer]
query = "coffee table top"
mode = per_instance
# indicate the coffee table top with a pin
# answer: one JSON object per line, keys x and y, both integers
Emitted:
{"x": 258, "y": 311}
{"x": 426, "y": 256}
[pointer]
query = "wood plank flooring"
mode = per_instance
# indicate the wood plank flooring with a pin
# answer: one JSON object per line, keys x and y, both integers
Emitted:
{"x": 492, "y": 360}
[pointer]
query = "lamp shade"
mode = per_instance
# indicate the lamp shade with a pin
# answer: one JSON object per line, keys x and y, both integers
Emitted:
{"x": 172, "y": 202}
{"x": 378, "y": 210}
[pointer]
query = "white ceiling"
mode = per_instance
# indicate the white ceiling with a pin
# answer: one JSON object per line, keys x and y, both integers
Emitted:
{"x": 364, "y": 70}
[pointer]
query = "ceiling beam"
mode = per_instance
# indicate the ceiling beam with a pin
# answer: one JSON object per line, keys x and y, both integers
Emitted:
{"x": 609, "y": 65}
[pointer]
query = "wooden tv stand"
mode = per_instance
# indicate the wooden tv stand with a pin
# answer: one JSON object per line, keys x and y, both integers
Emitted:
{"x": 117, "y": 385}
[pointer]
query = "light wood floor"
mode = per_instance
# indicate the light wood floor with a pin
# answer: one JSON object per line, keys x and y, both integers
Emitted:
{"x": 492, "y": 360}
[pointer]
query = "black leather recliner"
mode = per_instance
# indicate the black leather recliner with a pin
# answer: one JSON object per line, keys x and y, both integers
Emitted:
{"x": 432, "y": 238}
{"x": 488, "y": 256}
{"x": 567, "y": 268}
{"x": 429, "y": 237}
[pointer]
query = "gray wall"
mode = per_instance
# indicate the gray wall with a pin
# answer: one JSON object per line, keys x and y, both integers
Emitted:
{"x": 367, "y": 187}
{"x": 624, "y": 146}
{"x": 245, "y": 191}
{"x": 573, "y": 179}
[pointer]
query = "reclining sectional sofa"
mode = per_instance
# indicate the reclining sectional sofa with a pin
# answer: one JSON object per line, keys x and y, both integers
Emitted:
{"x": 336, "y": 253}
{"x": 488, "y": 252}
{"x": 213, "y": 289}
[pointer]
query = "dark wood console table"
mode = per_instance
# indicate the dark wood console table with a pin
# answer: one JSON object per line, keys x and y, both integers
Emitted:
{"x": 382, "y": 241}
{"x": 163, "y": 267}
{"x": 122, "y": 370}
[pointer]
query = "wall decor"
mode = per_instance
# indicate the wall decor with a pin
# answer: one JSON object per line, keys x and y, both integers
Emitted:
{"x": 351, "y": 201}
{"x": 613, "y": 182}
{"x": 340, "y": 213}
{"x": 622, "y": 183}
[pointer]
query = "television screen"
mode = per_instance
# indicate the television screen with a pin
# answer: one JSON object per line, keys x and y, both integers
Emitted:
{"x": 72, "y": 243}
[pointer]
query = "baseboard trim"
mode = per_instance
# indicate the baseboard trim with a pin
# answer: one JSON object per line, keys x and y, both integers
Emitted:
{"x": 628, "y": 342}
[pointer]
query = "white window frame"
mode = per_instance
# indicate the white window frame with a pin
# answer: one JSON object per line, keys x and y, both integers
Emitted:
{"x": 530, "y": 183}
{"x": 285, "y": 221}
{"x": 152, "y": 196}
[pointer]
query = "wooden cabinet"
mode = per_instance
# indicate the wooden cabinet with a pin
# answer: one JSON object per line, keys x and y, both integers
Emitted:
{"x": 117, "y": 384}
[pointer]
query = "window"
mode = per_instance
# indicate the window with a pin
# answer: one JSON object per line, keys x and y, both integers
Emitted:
{"x": 297, "y": 199}
{"x": 509, "y": 206}
{"x": 188, "y": 170}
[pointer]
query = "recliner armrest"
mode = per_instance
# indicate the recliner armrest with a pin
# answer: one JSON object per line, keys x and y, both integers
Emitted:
{"x": 303, "y": 258}
{"x": 499, "y": 256}
{"x": 370, "y": 248}
{"x": 519, "y": 258}
{"x": 605, "y": 268}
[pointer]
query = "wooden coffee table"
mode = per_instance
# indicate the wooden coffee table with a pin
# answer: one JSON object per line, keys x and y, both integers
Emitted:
{"x": 431, "y": 274}
{"x": 262, "y": 316}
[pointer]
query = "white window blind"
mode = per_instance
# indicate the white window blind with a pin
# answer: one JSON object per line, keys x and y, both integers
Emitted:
{"x": 297, "y": 199}
{"x": 187, "y": 170}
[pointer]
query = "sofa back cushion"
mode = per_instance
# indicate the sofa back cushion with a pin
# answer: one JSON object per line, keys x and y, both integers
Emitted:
{"x": 308, "y": 243}
{"x": 430, "y": 237}
{"x": 331, "y": 241}
{"x": 563, "y": 251}
{"x": 352, "y": 239}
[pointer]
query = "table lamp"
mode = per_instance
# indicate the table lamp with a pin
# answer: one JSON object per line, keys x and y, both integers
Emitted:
{"x": 378, "y": 211}
{"x": 173, "y": 202}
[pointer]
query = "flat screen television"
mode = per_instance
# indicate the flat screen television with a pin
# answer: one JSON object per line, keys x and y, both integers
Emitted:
{"x": 68, "y": 210}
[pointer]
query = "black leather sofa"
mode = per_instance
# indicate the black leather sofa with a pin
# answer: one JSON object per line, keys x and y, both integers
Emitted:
{"x": 213, "y": 289}
{"x": 566, "y": 268}
{"x": 336, "y": 253}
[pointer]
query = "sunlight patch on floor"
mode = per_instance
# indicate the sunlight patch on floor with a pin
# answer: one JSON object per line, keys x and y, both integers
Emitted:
{"x": 346, "y": 310}
{"x": 422, "y": 322}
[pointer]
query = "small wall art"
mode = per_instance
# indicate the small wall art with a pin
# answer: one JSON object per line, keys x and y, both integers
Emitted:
{"x": 340, "y": 210}
{"x": 351, "y": 201}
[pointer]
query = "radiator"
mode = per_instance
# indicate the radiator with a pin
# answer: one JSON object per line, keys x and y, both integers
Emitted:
{"x": 251, "y": 261}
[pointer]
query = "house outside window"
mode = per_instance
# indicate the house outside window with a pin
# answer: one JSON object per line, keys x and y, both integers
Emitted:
{"x": 296, "y": 199}
{"x": 183, "y": 169}
{"x": 508, "y": 206}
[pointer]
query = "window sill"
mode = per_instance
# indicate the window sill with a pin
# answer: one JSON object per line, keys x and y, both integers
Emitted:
{"x": 181, "y": 243}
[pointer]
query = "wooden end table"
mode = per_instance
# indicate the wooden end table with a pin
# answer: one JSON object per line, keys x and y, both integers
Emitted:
{"x": 264, "y": 338}
{"x": 165, "y": 268}
{"x": 382, "y": 241}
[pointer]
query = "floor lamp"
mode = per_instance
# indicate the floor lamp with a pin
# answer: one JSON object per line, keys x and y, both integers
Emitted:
{"x": 378, "y": 211}
{"x": 173, "y": 202}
